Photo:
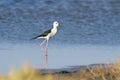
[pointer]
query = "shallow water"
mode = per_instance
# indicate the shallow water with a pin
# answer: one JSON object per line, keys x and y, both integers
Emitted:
{"x": 15, "y": 55}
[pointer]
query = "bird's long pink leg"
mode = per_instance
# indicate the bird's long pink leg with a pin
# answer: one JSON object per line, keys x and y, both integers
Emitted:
{"x": 43, "y": 63}
{"x": 47, "y": 48}
{"x": 46, "y": 51}
{"x": 42, "y": 44}
{"x": 46, "y": 61}
{"x": 46, "y": 56}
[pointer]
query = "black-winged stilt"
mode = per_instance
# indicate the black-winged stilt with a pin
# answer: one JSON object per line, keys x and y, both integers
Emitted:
{"x": 47, "y": 35}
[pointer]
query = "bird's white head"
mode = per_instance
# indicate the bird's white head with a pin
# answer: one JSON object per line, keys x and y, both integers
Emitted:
{"x": 55, "y": 24}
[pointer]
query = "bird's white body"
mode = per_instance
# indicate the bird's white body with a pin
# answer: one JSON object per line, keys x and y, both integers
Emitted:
{"x": 52, "y": 32}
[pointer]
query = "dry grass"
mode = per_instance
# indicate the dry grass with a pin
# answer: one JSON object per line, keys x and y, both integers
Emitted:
{"x": 108, "y": 72}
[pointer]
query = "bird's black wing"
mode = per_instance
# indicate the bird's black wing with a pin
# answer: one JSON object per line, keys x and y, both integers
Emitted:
{"x": 43, "y": 34}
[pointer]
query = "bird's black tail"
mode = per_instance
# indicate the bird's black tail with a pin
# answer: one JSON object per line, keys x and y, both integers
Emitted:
{"x": 34, "y": 38}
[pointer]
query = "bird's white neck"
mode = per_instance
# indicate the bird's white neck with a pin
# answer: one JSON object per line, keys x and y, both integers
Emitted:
{"x": 54, "y": 27}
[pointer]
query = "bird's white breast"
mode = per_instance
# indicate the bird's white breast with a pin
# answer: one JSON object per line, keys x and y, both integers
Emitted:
{"x": 53, "y": 32}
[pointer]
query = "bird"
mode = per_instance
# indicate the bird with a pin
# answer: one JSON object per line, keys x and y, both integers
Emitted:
{"x": 46, "y": 35}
